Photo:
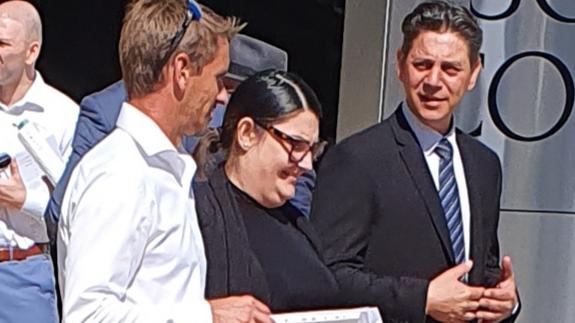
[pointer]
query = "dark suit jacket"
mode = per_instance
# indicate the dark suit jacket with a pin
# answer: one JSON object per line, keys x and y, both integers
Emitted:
{"x": 382, "y": 226}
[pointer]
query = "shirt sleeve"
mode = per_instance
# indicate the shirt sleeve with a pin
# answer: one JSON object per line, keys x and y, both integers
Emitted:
{"x": 108, "y": 231}
{"x": 36, "y": 199}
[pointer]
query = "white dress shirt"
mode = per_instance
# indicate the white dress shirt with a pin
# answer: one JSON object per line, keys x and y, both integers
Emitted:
{"x": 429, "y": 139}
{"x": 129, "y": 244}
{"x": 55, "y": 114}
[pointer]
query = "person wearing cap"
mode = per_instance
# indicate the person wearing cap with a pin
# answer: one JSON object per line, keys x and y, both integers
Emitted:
{"x": 27, "y": 292}
{"x": 129, "y": 244}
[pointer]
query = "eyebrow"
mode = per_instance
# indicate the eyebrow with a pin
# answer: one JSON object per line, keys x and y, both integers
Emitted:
{"x": 294, "y": 136}
{"x": 453, "y": 64}
{"x": 298, "y": 137}
{"x": 423, "y": 60}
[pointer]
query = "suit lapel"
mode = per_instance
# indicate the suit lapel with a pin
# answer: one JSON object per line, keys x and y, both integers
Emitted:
{"x": 473, "y": 180}
{"x": 413, "y": 158}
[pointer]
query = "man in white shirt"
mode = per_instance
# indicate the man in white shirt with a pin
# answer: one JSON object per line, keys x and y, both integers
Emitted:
{"x": 27, "y": 292}
{"x": 129, "y": 245}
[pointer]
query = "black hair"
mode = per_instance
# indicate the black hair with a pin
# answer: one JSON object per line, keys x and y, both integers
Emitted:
{"x": 442, "y": 16}
{"x": 267, "y": 97}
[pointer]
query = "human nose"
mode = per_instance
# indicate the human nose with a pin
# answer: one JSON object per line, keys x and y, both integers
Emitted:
{"x": 223, "y": 96}
{"x": 432, "y": 82}
{"x": 306, "y": 163}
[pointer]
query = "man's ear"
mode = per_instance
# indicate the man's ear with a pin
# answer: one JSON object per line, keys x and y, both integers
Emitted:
{"x": 399, "y": 64}
{"x": 182, "y": 71}
{"x": 32, "y": 53}
{"x": 475, "y": 69}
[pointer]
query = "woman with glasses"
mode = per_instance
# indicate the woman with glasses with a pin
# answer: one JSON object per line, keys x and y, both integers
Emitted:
{"x": 256, "y": 243}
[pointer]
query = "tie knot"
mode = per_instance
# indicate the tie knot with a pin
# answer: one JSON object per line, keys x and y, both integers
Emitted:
{"x": 444, "y": 149}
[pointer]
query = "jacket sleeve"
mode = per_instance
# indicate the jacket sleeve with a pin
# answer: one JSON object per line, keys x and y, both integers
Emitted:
{"x": 492, "y": 268}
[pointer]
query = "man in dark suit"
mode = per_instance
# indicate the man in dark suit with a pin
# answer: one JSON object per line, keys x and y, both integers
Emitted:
{"x": 408, "y": 209}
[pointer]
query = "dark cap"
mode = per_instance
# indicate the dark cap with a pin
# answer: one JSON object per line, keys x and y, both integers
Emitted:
{"x": 249, "y": 56}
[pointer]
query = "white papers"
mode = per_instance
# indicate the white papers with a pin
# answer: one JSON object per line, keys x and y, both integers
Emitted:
{"x": 354, "y": 315}
{"x": 29, "y": 170}
{"x": 41, "y": 146}
{"x": 29, "y": 164}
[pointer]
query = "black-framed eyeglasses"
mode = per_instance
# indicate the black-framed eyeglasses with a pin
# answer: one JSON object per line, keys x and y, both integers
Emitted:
{"x": 194, "y": 13}
{"x": 296, "y": 148}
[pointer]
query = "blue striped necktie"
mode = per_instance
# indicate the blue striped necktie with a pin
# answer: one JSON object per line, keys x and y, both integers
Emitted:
{"x": 449, "y": 197}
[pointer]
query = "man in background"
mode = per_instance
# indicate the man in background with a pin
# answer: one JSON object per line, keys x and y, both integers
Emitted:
{"x": 27, "y": 291}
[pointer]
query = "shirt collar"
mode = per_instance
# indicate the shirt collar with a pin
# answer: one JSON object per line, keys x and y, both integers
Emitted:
{"x": 153, "y": 142}
{"x": 31, "y": 99}
{"x": 427, "y": 137}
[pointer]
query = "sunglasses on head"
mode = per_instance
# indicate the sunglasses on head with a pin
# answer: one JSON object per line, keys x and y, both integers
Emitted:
{"x": 193, "y": 13}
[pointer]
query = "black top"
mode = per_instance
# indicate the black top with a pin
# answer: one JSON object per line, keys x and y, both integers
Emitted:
{"x": 296, "y": 276}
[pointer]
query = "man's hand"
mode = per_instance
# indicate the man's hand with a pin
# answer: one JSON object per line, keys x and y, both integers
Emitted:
{"x": 12, "y": 190}
{"x": 450, "y": 300}
{"x": 239, "y": 309}
{"x": 498, "y": 303}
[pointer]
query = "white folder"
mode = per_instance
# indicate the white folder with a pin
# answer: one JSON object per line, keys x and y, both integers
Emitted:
{"x": 353, "y": 315}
